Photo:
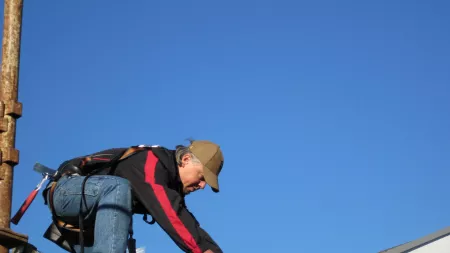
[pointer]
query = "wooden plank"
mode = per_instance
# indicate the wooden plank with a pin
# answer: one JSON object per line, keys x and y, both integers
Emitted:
{"x": 11, "y": 239}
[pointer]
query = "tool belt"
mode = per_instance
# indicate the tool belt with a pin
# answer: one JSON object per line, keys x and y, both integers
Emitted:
{"x": 65, "y": 234}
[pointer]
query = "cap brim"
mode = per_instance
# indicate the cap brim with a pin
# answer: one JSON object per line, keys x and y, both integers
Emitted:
{"x": 211, "y": 179}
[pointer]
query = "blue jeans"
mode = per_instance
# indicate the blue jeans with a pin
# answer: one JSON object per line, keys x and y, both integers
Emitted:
{"x": 109, "y": 206}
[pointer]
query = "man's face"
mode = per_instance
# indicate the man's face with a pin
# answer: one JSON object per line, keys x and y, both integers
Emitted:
{"x": 191, "y": 174}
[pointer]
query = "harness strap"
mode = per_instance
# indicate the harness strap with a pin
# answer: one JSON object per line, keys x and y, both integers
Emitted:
{"x": 57, "y": 221}
{"x": 79, "y": 229}
{"x": 50, "y": 199}
{"x": 131, "y": 151}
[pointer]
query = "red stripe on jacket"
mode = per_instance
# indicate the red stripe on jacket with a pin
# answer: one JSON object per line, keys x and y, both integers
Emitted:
{"x": 150, "y": 166}
{"x": 100, "y": 159}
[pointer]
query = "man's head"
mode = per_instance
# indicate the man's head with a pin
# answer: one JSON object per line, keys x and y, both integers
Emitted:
{"x": 199, "y": 164}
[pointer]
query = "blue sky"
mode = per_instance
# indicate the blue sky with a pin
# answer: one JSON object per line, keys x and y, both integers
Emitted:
{"x": 333, "y": 115}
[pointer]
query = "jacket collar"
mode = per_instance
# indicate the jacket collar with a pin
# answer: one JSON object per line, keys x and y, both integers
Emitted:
{"x": 167, "y": 158}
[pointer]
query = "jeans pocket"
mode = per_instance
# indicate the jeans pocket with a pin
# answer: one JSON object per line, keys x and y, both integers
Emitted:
{"x": 74, "y": 186}
{"x": 68, "y": 195}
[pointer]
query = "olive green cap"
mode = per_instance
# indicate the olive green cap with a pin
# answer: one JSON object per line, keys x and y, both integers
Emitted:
{"x": 212, "y": 160}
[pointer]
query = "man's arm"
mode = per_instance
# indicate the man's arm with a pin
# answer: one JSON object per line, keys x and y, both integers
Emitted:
{"x": 185, "y": 225}
{"x": 167, "y": 207}
{"x": 208, "y": 242}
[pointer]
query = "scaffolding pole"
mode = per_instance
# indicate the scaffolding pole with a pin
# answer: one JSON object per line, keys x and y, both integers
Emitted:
{"x": 10, "y": 111}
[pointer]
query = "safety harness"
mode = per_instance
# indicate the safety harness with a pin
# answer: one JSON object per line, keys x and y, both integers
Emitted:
{"x": 88, "y": 166}
{"x": 99, "y": 167}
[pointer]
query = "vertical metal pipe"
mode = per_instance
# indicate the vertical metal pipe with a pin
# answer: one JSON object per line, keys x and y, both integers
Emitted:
{"x": 10, "y": 109}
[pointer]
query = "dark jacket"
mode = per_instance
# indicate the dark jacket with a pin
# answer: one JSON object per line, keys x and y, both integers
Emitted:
{"x": 158, "y": 191}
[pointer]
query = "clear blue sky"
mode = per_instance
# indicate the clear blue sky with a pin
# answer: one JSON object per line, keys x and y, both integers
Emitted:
{"x": 334, "y": 116}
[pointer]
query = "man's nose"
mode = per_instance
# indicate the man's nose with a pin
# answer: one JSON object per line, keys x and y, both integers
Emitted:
{"x": 202, "y": 184}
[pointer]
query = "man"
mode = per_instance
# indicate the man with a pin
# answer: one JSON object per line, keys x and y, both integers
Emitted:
{"x": 152, "y": 180}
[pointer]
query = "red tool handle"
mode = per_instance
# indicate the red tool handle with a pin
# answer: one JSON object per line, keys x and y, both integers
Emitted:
{"x": 15, "y": 220}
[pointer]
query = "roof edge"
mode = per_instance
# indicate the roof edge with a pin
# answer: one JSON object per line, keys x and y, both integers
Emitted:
{"x": 405, "y": 247}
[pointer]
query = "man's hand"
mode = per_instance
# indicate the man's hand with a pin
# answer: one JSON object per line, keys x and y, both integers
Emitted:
{"x": 208, "y": 251}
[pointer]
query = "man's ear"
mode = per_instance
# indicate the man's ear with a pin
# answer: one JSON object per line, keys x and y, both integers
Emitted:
{"x": 185, "y": 159}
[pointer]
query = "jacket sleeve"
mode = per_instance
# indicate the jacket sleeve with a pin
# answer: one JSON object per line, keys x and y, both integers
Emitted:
{"x": 168, "y": 209}
{"x": 207, "y": 241}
